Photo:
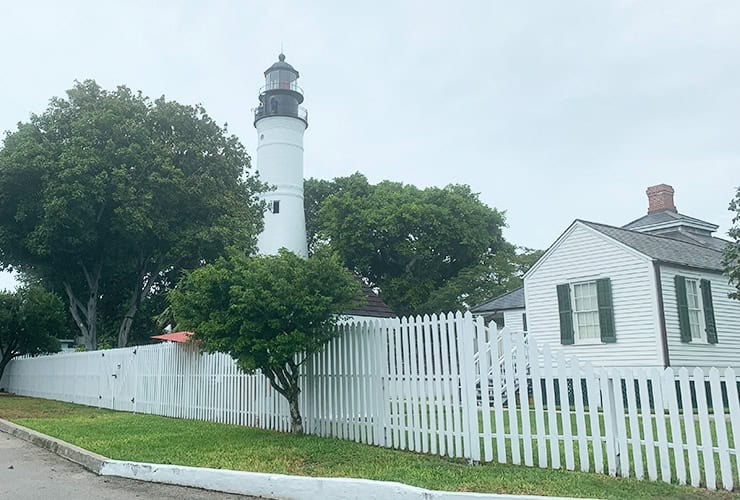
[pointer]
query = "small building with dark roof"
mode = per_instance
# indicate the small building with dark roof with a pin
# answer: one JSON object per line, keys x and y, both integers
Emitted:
{"x": 370, "y": 305}
{"x": 651, "y": 293}
{"x": 506, "y": 310}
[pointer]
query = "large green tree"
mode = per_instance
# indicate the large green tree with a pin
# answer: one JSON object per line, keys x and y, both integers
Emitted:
{"x": 426, "y": 250}
{"x": 731, "y": 258}
{"x": 107, "y": 195}
{"x": 268, "y": 312}
{"x": 31, "y": 318}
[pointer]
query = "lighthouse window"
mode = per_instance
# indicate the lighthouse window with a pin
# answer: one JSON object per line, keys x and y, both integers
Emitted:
{"x": 276, "y": 207}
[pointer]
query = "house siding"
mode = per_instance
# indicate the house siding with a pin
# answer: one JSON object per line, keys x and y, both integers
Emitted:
{"x": 584, "y": 254}
{"x": 513, "y": 320}
{"x": 727, "y": 316}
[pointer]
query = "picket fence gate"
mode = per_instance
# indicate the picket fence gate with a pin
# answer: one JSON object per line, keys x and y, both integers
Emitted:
{"x": 448, "y": 385}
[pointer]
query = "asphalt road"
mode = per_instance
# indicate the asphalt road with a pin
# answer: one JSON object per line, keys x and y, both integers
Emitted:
{"x": 31, "y": 473}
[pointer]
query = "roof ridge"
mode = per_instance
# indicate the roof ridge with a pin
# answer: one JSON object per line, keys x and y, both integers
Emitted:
{"x": 676, "y": 216}
{"x": 650, "y": 235}
{"x": 509, "y": 292}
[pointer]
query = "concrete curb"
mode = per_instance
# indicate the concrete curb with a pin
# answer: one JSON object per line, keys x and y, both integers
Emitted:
{"x": 281, "y": 486}
{"x": 89, "y": 460}
{"x": 277, "y": 486}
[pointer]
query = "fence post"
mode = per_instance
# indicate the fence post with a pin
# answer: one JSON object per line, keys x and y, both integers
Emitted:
{"x": 308, "y": 394}
{"x": 379, "y": 338}
{"x": 469, "y": 401}
{"x": 610, "y": 423}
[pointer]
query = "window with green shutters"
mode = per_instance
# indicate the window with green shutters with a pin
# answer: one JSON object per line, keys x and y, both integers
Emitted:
{"x": 586, "y": 312}
{"x": 696, "y": 320}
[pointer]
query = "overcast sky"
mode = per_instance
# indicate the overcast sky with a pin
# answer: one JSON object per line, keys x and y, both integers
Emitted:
{"x": 551, "y": 110}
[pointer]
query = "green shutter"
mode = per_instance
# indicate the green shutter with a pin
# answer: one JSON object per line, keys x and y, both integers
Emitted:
{"x": 606, "y": 310}
{"x": 566, "y": 315}
{"x": 683, "y": 308}
{"x": 706, "y": 299}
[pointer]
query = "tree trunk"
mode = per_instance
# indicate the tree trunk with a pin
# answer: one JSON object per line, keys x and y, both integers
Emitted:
{"x": 142, "y": 289}
{"x": 3, "y": 363}
{"x": 86, "y": 315}
{"x": 296, "y": 421}
{"x": 285, "y": 381}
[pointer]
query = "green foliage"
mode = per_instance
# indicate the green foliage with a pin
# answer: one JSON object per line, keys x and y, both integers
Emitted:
{"x": 31, "y": 318}
{"x": 427, "y": 250}
{"x": 108, "y": 195}
{"x": 496, "y": 275}
{"x": 267, "y": 312}
{"x": 731, "y": 257}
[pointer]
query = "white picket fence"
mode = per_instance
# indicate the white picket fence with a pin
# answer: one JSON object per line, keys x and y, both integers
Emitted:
{"x": 446, "y": 385}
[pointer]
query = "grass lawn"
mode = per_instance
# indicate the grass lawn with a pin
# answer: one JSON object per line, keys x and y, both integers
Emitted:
{"x": 149, "y": 438}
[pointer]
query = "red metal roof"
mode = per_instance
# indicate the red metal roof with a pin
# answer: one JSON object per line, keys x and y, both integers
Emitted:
{"x": 174, "y": 336}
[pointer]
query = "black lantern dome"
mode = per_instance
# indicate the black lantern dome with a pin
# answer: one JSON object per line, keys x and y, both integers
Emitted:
{"x": 281, "y": 95}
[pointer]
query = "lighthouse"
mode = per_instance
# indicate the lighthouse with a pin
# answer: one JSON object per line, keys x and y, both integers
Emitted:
{"x": 280, "y": 121}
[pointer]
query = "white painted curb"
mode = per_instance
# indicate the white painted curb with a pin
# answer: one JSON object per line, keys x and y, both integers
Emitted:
{"x": 281, "y": 486}
{"x": 277, "y": 486}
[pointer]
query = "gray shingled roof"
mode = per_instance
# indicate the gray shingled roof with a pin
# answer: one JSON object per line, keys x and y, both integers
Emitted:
{"x": 708, "y": 241}
{"x": 662, "y": 217}
{"x": 664, "y": 249}
{"x": 372, "y": 307}
{"x": 510, "y": 300}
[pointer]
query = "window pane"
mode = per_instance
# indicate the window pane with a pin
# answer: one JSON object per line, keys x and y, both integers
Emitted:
{"x": 586, "y": 310}
{"x": 695, "y": 312}
{"x": 695, "y": 323}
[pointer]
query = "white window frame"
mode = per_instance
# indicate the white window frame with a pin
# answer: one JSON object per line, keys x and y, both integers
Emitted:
{"x": 577, "y": 339}
{"x": 702, "y": 333}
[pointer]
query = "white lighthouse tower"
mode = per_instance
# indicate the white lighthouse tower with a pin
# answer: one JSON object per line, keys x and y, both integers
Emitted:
{"x": 280, "y": 122}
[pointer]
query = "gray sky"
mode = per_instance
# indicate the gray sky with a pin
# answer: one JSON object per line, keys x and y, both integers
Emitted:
{"x": 551, "y": 110}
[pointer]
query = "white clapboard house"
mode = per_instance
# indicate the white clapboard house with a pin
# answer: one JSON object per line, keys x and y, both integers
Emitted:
{"x": 651, "y": 293}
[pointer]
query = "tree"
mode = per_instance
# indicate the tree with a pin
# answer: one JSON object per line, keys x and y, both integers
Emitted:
{"x": 425, "y": 249}
{"x": 318, "y": 190}
{"x": 731, "y": 257}
{"x": 494, "y": 276}
{"x": 30, "y": 320}
{"x": 268, "y": 312}
{"x": 106, "y": 196}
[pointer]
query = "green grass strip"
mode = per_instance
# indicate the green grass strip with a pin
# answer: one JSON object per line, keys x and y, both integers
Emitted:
{"x": 149, "y": 438}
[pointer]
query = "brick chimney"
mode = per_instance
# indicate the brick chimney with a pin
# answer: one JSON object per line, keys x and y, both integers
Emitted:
{"x": 660, "y": 198}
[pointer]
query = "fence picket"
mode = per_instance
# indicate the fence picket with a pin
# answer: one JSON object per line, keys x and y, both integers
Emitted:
{"x": 446, "y": 385}
{"x": 565, "y": 411}
{"x": 539, "y": 416}
{"x": 455, "y": 383}
{"x": 720, "y": 427}
{"x": 634, "y": 425}
{"x": 509, "y": 380}
{"x": 579, "y": 411}
{"x": 647, "y": 424}
{"x": 521, "y": 364}
{"x": 498, "y": 387}
{"x": 421, "y": 400}
{"x": 430, "y": 395}
{"x": 410, "y": 382}
{"x": 552, "y": 416}
{"x": 704, "y": 430}
{"x": 689, "y": 429}
{"x": 485, "y": 400}
{"x": 593, "y": 397}
{"x": 465, "y": 346}
{"x": 734, "y": 408}
{"x": 621, "y": 425}
{"x": 656, "y": 379}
